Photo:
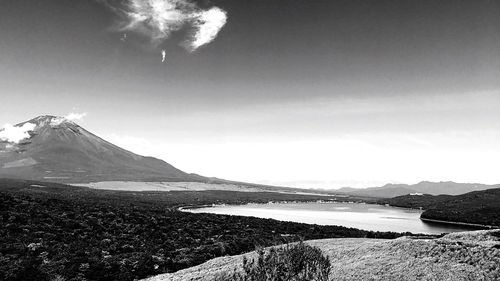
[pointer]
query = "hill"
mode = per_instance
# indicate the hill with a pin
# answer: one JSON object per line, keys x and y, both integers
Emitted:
{"x": 55, "y": 149}
{"x": 424, "y": 187}
{"x": 454, "y": 257}
{"x": 424, "y": 201}
{"x": 477, "y": 207}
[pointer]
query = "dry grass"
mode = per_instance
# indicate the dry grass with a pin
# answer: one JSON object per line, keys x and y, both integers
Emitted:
{"x": 458, "y": 256}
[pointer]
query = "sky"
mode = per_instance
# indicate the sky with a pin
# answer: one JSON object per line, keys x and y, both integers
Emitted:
{"x": 323, "y": 93}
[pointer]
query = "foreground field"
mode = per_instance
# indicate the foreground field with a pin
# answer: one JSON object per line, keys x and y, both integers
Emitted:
{"x": 454, "y": 257}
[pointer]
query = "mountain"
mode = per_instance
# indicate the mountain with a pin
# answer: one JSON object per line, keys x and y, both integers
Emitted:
{"x": 424, "y": 187}
{"x": 56, "y": 149}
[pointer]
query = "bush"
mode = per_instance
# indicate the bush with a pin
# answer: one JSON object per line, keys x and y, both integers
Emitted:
{"x": 292, "y": 262}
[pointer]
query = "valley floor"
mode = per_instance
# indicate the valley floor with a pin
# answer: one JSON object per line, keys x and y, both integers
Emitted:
{"x": 199, "y": 186}
{"x": 459, "y": 256}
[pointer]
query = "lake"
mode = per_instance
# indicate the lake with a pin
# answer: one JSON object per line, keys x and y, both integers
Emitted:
{"x": 357, "y": 215}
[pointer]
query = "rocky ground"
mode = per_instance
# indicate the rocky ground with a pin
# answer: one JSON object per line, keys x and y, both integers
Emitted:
{"x": 471, "y": 255}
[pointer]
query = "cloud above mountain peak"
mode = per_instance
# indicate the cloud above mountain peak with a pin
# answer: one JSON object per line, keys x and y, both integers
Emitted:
{"x": 75, "y": 116}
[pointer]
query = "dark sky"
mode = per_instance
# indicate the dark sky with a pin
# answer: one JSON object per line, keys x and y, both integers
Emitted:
{"x": 349, "y": 47}
{"x": 279, "y": 70}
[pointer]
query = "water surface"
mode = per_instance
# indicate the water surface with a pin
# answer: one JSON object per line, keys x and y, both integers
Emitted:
{"x": 357, "y": 215}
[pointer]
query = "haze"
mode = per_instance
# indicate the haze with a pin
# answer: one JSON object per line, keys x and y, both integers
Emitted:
{"x": 302, "y": 93}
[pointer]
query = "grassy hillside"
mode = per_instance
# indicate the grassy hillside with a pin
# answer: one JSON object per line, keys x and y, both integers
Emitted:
{"x": 58, "y": 232}
{"x": 462, "y": 256}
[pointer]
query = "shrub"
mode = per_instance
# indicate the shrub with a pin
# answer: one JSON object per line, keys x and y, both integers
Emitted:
{"x": 292, "y": 262}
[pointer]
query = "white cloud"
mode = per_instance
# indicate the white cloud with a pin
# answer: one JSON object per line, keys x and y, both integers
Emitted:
{"x": 208, "y": 24}
{"x": 76, "y": 116}
{"x": 15, "y": 134}
{"x": 158, "y": 19}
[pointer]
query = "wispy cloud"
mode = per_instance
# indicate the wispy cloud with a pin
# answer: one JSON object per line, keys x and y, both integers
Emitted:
{"x": 75, "y": 116}
{"x": 158, "y": 19}
{"x": 14, "y": 134}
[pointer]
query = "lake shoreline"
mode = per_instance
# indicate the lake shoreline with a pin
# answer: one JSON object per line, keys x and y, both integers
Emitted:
{"x": 372, "y": 217}
{"x": 472, "y": 225}
{"x": 188, "y": 207}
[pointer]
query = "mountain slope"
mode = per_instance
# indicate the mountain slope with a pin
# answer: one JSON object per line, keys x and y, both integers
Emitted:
{"x": 57, "y": 149}
{"x": 425, "y": 187}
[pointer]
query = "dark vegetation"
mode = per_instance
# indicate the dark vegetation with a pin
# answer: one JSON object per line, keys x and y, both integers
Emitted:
{"x": 477, "y": 207}
{"x": 58, "y": 232}
{"x": 424, "y": 202}
{"x": 292, "y": 262}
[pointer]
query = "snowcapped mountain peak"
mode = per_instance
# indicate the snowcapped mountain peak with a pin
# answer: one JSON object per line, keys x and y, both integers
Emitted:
{"x": 49, "y": 120}
{"x": 45, "y": 125}
{"x": 57, "y": 149}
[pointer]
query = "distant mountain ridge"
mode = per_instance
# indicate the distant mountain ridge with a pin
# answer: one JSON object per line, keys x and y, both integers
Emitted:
{"x": 424, "y": 187}
{"x": 59, "y": 150}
